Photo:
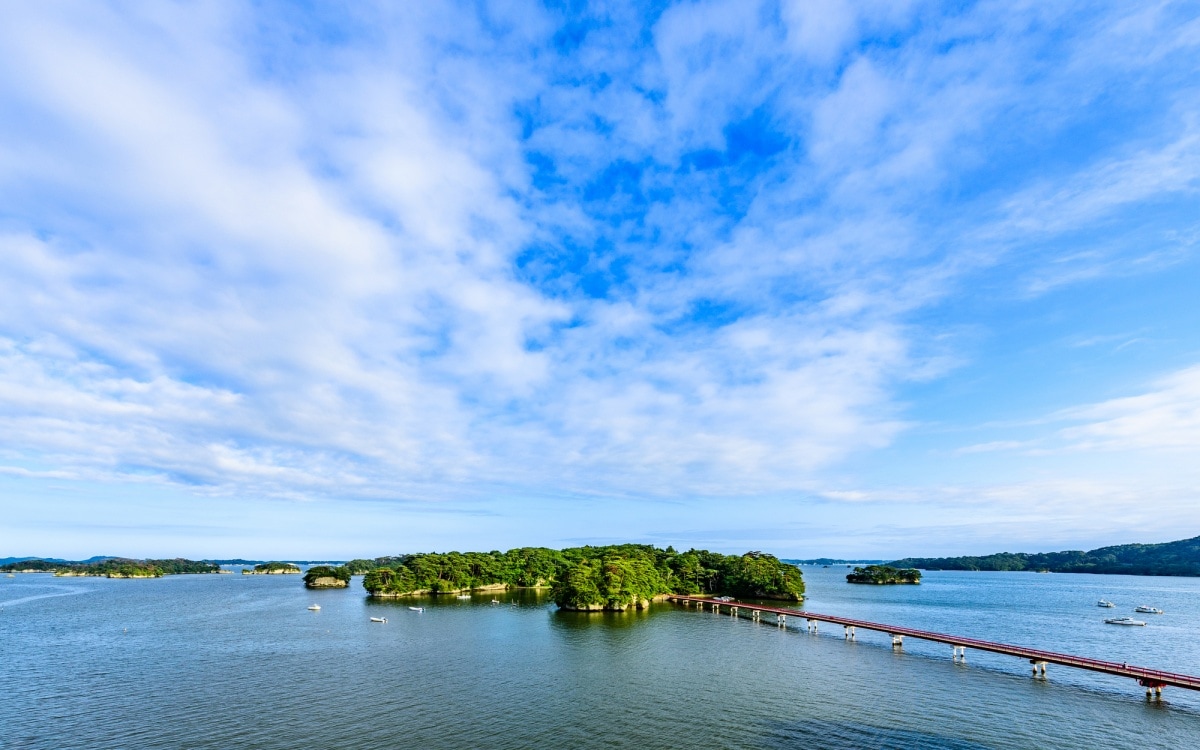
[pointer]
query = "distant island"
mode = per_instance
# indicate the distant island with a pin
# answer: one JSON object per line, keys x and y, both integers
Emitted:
{"x": 884, "y": 575}
{"x": 1181, "y": 558}
{"x": 112, "y": 567}
{"x": 834, "y": 561}
{"x": 272, "y": 568}
{"x": 360, "y": 566}
{"x": 327, "y": 577}
{"x": 610, "y": 578}
{"x": 243, "y": 561}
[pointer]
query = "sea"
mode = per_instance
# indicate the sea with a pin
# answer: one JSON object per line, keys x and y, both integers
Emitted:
{"x": 232, "y": 661}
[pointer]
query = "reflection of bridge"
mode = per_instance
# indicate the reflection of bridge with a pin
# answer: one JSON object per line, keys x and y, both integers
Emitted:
{"x": 1152, "y": 679}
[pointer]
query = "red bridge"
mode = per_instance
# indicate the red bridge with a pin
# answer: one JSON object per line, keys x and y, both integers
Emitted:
{"x": 1154, "y": 680}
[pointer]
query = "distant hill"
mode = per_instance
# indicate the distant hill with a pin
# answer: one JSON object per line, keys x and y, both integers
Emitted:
{"x": 240, "y": 561}
{"x": 58, "y": 560}
{"x": 832, "y": 561}
{"x": 112, "y": 567}
{"x": 102, "y": 558}
{"x": 1180, "y": 558}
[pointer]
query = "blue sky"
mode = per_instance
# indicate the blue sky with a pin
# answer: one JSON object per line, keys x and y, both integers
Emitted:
{"x": 819, "y": 278}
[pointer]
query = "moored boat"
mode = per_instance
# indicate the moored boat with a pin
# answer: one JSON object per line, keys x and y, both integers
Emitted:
{"x": 1148, "y": 609}
{"x": 315, "y": 607}
{"x": 1123, "y": 621}
{"x": 417, "y": 609}
{"x": 378, "y": 619}
{"x": 1105, "y": 603}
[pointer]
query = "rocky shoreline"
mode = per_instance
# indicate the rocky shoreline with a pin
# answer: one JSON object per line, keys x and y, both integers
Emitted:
{"x": 431, "y": 592}
{"x": 326, "y": 582}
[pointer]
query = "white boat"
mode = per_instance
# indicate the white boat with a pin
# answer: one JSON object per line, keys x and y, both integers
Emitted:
{"x": 417, "y": 609}
{"x": 1123, "y": 621}
{"x": 463, "y": 596}
{"x": 495, "y": 601}
{"x": 315, "y": 607}
{"x": 1105, "y": 603}
{"x": 1148, "y": 610}
{"x": 378, "y": 619}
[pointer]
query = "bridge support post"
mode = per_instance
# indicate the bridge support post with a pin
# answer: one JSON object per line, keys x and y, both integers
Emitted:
{"x": 781, "y": 620}
{"x": 848, "y": 632}
{"x": 960, "y": 652}
{"x": 812, "y": 625}
{"x": 897, "y": 640}
{"x": 733, "y": 612}
{"x": 1153, "y": 687}
{"x": 1038, "y": 665}
{"x": 755, "y": 615}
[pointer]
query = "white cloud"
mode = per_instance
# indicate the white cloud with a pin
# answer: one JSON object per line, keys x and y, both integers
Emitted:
{"x": 1165, "y": 418}
{"x": 255, "y": 266}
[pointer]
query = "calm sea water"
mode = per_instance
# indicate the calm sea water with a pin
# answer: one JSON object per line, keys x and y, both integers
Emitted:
{"x": 238, "y": 662}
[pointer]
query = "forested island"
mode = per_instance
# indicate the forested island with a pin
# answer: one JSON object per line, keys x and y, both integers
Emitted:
{"x": 884, "y": 575}
{"x": 327, "y": 577}
{"x": 612, "y": 578}
{"x": 1181, "y": 558}
{"x": 113, "y": 567}
{"x": 271, "y": 568}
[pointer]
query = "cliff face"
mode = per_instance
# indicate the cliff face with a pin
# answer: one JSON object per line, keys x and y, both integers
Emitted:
{"x": 326, "y": 582}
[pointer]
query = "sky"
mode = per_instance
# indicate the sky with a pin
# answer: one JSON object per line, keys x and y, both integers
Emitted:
{"x": 858, "y": 279}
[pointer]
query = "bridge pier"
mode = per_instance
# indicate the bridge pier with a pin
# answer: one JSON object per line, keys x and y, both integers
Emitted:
{"x": 755, "y": 615}
{"x": 1153, "y": 687}
{"x": 1038, "y": 665}
{"x": 960, "y": 652}
{"x": 812, "y": 625}
{"x": 848, "y": 632}
{"x": 781, "y": 620}
{"x": 897, "y": 640}
{"x": 733, "y": 612}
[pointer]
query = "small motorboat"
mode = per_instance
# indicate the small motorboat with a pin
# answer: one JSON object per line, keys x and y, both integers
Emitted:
{"x": 417, "y": 609}
{"x": 315, "y": 607}
{"x": 463, "y": 596}
{"x": 1144, "y": 608}
{"x": 1123, "y": 621}
{"x": 378, "y": 619}
{"x": 1105, "y": 603}
{"x": 495, "y": 601}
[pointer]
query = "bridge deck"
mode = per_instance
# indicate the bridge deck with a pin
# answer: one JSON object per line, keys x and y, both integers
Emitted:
{"x": 1144, "y": 675}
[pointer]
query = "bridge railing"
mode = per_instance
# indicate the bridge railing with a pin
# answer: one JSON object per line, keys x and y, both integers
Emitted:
{"x": 1109, "y": 667}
